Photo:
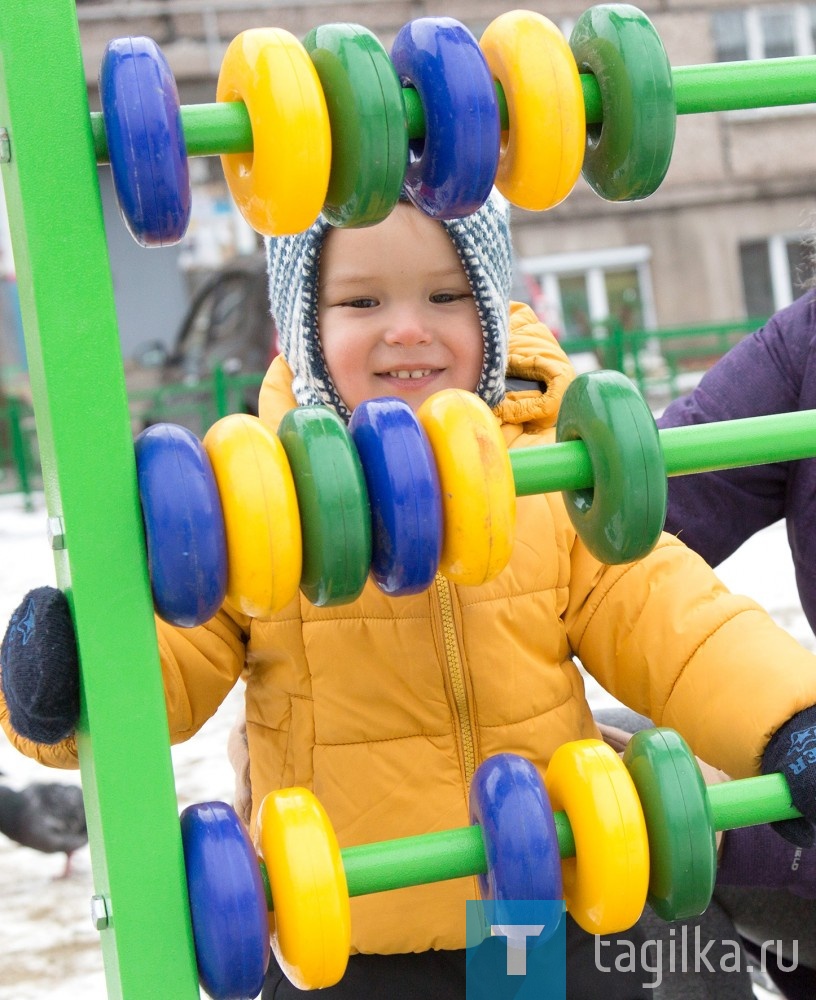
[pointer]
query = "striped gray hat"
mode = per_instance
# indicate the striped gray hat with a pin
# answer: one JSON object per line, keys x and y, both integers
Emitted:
{"x": 483, "y": 243}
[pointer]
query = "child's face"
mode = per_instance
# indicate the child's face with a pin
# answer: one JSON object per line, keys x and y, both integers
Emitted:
{"x": 395, "y": 311}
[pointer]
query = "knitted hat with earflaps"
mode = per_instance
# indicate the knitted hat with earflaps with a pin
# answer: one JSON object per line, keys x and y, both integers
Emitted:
{"x": 482, "y": 241}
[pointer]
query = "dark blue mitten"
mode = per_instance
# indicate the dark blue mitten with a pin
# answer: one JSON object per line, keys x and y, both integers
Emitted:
{"x": 792, "y": 750}
{"x": 39, "y": 667}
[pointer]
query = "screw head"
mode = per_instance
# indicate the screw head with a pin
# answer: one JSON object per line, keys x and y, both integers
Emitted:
{"x": 99, "y": 912}
{"x": 56, "y": 533}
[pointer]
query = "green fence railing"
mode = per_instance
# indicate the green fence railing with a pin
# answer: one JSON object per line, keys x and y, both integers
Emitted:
{"x": 658, "y": 360}
{"x": 196, "y": 405}
{"x": 19, "y": 460}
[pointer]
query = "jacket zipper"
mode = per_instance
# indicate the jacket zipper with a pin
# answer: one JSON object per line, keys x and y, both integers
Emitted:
{"x": 456, "y": 673}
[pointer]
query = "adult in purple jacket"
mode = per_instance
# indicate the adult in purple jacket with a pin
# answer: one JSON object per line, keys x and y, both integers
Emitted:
{"x": 771, "y": 371}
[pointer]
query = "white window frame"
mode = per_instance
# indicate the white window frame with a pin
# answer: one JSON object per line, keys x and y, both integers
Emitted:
{"x": 755, "y": 36}
{"x": 781, "y": 283}
{"x": 593, "y": 265}
{"x": 779, "y": 267}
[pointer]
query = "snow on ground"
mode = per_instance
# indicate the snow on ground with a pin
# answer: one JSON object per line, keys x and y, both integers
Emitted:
{"x": 48, "y": 946}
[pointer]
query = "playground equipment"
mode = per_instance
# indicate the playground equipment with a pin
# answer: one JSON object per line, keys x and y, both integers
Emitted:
{"x": 50, "y": 145}
{"x": 254, "y": 516}
{"x": 631, "y": 831}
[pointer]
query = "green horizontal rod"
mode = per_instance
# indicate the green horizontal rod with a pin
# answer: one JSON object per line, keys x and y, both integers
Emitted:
{"x": 730, "y": 444}
{"x": 449, "y": 854}
{"x": 751, "y": 801}
{"x": 210, "y": 129}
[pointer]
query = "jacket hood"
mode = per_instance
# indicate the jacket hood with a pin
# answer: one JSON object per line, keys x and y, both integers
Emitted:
{"x": 535, "y": 356}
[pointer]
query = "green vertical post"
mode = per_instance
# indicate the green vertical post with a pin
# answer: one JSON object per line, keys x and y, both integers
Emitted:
{"x": 221, "y": 392}
{"x": 80, "y": 404}
{"x": 616, "y": 338}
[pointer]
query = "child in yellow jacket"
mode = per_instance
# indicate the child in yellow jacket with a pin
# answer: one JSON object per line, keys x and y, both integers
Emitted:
{"x": 385, "y": 706}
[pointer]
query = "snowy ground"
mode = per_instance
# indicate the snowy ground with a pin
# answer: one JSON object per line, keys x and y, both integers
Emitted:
{"x": 49, "y": 948}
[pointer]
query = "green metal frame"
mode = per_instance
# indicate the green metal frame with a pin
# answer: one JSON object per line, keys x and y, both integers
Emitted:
{"x": 50, "y": 178}
{"x": 83, "y": 424}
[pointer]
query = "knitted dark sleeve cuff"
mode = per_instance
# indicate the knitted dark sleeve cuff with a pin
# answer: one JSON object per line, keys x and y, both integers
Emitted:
{"x": 792, "y": 751}
{"x": 39, "y": 667}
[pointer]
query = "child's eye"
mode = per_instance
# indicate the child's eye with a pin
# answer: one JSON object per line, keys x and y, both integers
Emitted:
{"x": 360, "y": 303}
{"x": 442, "y": 297}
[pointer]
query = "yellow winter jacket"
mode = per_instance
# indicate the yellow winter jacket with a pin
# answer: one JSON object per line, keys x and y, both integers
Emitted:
{"x": 384, "y": 707}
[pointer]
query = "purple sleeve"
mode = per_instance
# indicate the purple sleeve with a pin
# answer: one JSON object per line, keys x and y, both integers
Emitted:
{"x": 715, "y": 512}
{"x": 757, "y": 856}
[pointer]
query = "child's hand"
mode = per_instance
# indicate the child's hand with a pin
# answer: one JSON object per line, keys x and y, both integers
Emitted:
{"x": 792, "y": 750}
{"x": 39, "y": 667}
{"x": 619, "y": 738}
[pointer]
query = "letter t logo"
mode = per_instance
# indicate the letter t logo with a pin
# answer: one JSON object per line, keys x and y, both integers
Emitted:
{"x": 516, "y": 935}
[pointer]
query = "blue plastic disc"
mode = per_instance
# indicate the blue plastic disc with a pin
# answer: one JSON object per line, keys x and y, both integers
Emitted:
{"x": 146, "y": 148}
{"x": 451, "y": 171}
{"x": 184, "y": 525}
{"x": 509, "y": 802}
{"x": 227, "y": 902}
{"x": 403, "y": 490}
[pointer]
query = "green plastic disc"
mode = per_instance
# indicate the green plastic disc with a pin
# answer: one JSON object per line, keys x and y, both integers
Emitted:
{"x": 333, "y": 502}
{"x": 679, "y": 823}
{"x": 620, "y": 518}
{"x": 628, "y": 154}
{"x": 368, "y": 122}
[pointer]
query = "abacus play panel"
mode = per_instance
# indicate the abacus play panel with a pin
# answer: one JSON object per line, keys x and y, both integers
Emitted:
{"x": 523, "y": 109}
{"x": 604, "y": 834}
{"x": 272, "y": 95}
{"x": 409, "y": 495}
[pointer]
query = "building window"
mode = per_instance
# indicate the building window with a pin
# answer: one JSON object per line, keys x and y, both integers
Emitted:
{"x": 778, "y": 33}
{"x": 774, "y": 272}
{"x": 580, "y": 290}
{"x": 730, "y": 35}
{"x": 764, "y": 32}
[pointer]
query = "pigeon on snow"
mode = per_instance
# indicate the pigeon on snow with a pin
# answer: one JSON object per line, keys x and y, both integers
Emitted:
{"x": 48, "y": 817}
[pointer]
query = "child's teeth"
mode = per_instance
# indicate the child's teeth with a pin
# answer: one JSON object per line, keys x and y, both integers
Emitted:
{"x": 412, "y": 374}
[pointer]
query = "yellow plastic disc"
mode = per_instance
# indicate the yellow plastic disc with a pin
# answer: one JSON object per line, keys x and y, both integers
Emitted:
{"x": 261, "y": 518}
{"x": 476, "y": 481}
{"x": 311, "y": 923}
{"x": 281, "y": 185}
{"x": 605, "y": 884}
{"x": 543, "y": 147}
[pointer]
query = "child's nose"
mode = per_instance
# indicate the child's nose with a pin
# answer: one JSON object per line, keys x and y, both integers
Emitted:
{"x": 408, "y": 327}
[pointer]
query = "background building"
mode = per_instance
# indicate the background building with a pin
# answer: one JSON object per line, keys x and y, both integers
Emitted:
{"x": 723, "y": 238}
